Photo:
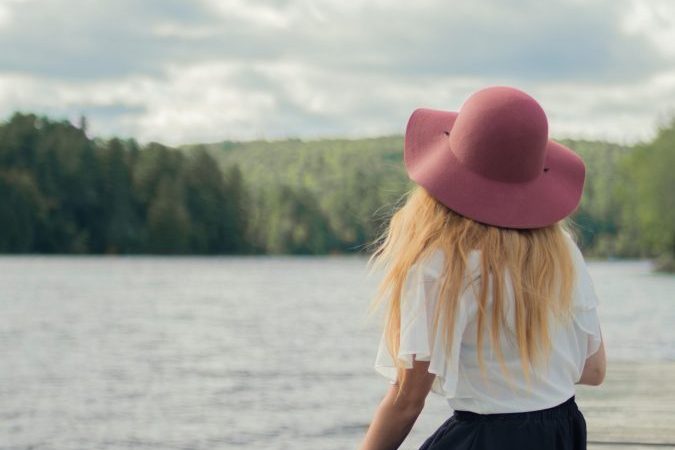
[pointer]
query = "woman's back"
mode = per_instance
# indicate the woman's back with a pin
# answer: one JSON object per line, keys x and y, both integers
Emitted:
{"x": 459, "y": 377}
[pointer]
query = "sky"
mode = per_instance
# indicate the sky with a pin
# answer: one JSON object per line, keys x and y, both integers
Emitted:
{"x": 179, "y": 71}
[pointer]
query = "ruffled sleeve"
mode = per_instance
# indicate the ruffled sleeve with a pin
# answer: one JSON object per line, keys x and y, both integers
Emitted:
{"x": 586, "y": 302}
{"x": 419, "y": 297}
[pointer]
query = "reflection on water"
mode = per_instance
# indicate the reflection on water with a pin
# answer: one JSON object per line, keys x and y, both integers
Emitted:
{"x": 256, "y": 352}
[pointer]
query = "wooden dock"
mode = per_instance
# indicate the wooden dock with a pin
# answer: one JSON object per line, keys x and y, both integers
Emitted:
{"x": 633, "y": 409}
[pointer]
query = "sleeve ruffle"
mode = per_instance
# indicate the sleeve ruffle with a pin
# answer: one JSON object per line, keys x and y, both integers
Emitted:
{"x": 419, "y": 296}
{"x": 586, "y": 302}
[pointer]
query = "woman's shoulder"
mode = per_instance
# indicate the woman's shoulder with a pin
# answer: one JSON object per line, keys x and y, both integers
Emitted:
{"x": 575, "y": 251}
{"x": 571, "y": 241}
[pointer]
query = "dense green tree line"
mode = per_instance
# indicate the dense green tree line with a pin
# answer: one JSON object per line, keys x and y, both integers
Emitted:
{"x": 61, "y": 191}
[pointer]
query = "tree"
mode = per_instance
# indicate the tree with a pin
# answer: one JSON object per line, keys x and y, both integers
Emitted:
{"x": 122, "y": 213}
{"x": 168, "y": 220}
{"x": 208, "y": 202}
{"x": 649, "y": 193}
{"x": 295, "y": 224}
{"x": 21, "y": 210}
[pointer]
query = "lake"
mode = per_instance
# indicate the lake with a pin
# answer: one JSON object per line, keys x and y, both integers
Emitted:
{"x": 270, "y": 352}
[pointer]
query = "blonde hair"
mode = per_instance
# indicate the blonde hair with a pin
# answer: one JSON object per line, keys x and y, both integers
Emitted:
{"x": 538, "y": 260}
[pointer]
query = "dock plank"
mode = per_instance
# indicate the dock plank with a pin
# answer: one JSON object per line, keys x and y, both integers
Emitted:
{"x": 633, "y": 409}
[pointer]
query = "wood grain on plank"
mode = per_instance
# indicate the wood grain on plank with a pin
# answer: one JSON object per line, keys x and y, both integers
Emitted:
{"x": 633, "y": 409}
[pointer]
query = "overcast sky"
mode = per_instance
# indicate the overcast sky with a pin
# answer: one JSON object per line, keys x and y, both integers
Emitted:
{"x": 181, "y": 71}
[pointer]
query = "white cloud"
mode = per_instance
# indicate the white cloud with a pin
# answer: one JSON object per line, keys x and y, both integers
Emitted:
{"x": 6, "y": 11}
{"x": 179, "y": 71}
{"x": 207, "y": 102}
{"x": 624, "y": 113}
{"x": 655, "y": 19}
{"x": 251, "y": 12}
{"x": 5, "y": 15}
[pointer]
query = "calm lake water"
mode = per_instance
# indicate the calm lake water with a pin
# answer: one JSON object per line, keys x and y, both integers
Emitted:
{"x": 227, "y": 353}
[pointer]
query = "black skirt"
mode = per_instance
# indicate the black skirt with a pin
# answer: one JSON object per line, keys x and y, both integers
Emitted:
{"x": 560, "y": 427}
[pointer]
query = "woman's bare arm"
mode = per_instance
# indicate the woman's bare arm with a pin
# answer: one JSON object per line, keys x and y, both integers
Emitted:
{"x": 390, "y": 425}
{"x": 393, "y": 418}
{"x": 595, "y": 367}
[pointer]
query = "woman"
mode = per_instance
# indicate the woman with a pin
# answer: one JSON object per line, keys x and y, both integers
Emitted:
{"x": 490, "y": 301}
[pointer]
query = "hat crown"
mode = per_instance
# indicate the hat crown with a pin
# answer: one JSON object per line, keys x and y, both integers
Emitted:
{"x": 501, "y": 133}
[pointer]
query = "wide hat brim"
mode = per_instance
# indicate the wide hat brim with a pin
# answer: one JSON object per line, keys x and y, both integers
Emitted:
{"x": 542, "y": 201}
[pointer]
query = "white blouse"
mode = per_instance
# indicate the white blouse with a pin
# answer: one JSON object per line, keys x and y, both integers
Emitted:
{"x": 459, "y": 379}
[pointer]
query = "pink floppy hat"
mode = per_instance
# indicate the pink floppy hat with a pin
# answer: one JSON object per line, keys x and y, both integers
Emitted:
{"x": 493, "y": 161}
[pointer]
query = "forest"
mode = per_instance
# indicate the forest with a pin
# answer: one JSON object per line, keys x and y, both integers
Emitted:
{"x": 62, "y": 191}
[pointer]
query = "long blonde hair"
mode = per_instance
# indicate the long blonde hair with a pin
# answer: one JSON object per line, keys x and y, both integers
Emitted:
{"x": 538, "y": 260}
